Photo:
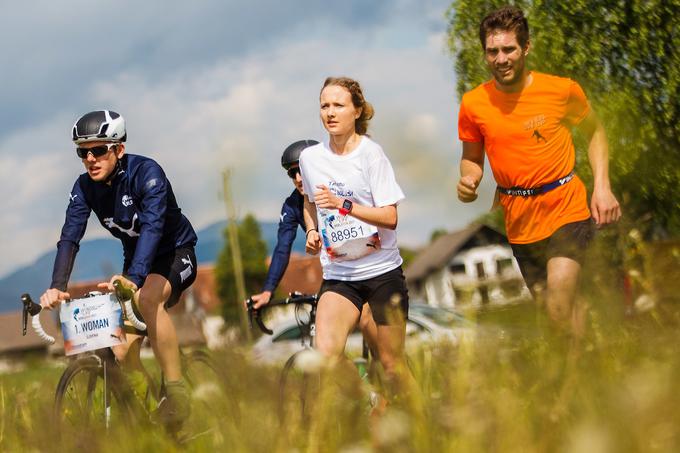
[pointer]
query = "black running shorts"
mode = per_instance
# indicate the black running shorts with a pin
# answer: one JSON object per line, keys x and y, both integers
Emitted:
{"x": 179, "y": 268}
{"x": 570, "y": 241}
{"x": 382, "y": 293}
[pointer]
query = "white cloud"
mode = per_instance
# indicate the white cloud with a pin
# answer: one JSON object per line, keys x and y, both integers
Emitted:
{"x": 241, "y": 111}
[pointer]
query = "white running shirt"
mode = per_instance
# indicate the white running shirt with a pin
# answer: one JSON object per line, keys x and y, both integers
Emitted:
{"x": 351, "y": 249}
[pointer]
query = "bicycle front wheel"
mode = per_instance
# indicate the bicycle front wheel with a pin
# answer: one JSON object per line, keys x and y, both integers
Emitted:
{"x": 299, "y": 387}
{"x": 84, "y": 395}
{"x": 211, "y": 399}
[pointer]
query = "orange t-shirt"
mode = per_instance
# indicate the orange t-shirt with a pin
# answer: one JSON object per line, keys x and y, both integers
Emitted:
{"x": 527, "y": 138}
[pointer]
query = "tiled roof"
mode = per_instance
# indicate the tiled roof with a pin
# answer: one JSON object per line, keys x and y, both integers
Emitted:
{"x": 303, "y": 275}
{"x": 445, "y": 247}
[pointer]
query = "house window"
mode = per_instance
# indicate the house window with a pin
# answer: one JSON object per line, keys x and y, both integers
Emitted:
{"x": 504, "y": 266}
{"x": 457, "y": 268}
{"x": 483, "y": 285}
{"x": 480, "y": 270}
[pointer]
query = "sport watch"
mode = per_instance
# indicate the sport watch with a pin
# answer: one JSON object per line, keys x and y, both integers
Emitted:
{"x": 346, "y": 207}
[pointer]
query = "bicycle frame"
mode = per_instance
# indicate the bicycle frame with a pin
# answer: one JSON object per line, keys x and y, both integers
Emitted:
{"x": 95, "y": 388}
{"x": 102, "y": 358}
{"x": 363, "y": 364}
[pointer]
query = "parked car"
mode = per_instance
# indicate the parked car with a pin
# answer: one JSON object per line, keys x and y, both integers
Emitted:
{"x": 439, "y": 324}
{"x": 426, "y": 325}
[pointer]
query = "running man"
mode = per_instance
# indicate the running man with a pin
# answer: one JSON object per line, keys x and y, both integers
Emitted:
{"x": 522, "y": 121}
{"x": 133, "y": 200}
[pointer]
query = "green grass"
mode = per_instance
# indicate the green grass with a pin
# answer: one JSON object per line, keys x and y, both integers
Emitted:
{"x": 515, "y": 390}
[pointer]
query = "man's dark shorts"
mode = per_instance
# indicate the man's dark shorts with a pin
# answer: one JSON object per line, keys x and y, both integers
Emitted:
{"x": 179, "y": 268}
{"x": 570, "y": 241}
{"x": 382, "y": 293}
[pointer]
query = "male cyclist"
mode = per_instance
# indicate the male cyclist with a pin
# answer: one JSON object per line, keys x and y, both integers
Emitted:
{"x": 133, "y": 200}
{"x": 289, "y": 220}
{"x": 522, "y": 121}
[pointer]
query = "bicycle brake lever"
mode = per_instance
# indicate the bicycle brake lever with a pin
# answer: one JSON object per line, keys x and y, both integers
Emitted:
{"x": 31, "y": 308}
{"x": 24, "y": 316}
{"x": 249, "y": 306}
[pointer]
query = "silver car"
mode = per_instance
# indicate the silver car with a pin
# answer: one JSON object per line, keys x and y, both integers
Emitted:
{"x": 426, "y": 325}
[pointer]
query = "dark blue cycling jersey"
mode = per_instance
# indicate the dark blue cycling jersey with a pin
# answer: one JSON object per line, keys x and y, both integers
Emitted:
{"x": 291, "y": 217}
{"x": 139, "y": 208}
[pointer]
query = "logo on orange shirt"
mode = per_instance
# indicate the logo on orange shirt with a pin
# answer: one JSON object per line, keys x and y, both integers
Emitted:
{"x": 538, "y": 136}
{"x": 535, "y": 122}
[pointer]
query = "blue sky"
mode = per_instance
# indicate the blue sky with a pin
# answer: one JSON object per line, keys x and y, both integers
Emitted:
{"x": 210, "y": 84}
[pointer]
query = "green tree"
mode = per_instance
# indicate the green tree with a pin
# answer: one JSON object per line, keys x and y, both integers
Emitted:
{"x": 437, "y": 232}
{"x": 407, "y": 254}
{"x": 254, "y": 254}
{"x": 625, "y": 55}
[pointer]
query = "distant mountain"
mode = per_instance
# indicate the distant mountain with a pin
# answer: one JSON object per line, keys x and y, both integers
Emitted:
{"x": 101, "y": 258}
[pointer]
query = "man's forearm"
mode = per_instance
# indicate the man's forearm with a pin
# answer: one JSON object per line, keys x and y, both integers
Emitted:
{"x": 598, "y": 156}
{"x": 471, "y": 168}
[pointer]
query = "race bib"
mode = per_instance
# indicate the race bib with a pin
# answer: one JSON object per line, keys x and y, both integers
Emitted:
{"x": 347, "y": 238}
{"x": 91, "y": 323}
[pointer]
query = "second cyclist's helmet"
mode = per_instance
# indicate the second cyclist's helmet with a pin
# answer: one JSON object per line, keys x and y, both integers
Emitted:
{"x": 100, "y": 125}
{"x": 291, "y": 155}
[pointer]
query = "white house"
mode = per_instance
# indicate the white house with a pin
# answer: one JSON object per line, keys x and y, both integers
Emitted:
{"x": 470, "y": 267}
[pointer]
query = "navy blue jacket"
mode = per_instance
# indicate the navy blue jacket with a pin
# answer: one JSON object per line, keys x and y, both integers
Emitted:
{"x": 139, "y": 208}
{"x": 291, "y": 217}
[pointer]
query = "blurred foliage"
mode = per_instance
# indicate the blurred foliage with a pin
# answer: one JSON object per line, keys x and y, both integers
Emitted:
{"x": 253, "y": 255}
{"x": 510, "y": 388}
{"x": 437, "y": 233}
{"x": 494, "y": 219}
{"x": 625, "y": 56}
{"x": 407, "y": 254}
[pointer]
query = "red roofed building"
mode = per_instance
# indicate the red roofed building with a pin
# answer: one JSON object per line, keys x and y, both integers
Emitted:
{"x": 303, "y": 275}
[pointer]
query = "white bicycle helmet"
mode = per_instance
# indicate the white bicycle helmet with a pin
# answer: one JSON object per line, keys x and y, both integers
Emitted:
{"x": 98, "y": 126}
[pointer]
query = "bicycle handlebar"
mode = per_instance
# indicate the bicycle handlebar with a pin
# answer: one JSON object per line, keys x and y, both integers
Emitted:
{"x": 33, "y": 309}
{"x": 124, "y": 296}
{"x": 294, "y": 298}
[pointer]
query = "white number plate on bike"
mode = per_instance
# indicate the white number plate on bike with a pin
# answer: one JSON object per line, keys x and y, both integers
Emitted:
{"x": 91, "y": 323}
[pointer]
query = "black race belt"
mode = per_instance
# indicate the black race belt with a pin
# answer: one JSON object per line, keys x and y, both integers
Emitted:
{"x": 524, "y": 192}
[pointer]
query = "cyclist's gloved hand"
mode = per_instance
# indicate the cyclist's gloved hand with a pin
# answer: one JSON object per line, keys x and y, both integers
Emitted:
{"x": 52, "y": 298}
{"x": 313, "y": 245}
{"x": 126, "y": 284}
{"x": 261, "y": 299}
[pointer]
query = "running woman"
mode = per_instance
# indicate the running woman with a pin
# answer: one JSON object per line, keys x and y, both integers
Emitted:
{"x": 351, "y": 200}
{"x": 522, "y": 121}
{"x": 292, "y": 217}
{"x": 133, "y": 200}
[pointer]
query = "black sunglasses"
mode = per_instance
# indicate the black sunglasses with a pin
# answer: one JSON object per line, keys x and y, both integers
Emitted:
{"x": 97, "y": 151}
{"x": 293, "y": 172}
